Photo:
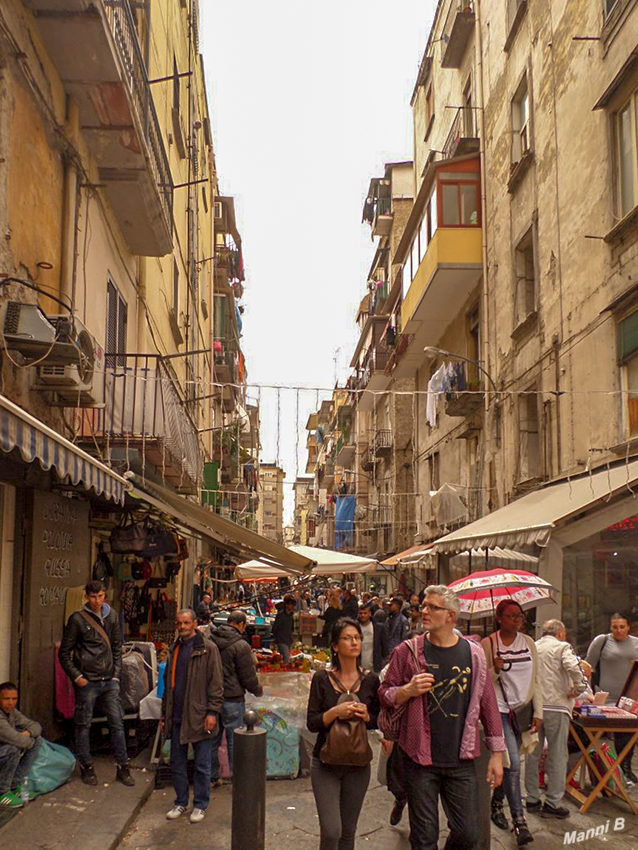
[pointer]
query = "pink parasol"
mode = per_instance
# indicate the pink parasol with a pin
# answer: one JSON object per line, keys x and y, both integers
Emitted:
{"x": 480, "y": 592}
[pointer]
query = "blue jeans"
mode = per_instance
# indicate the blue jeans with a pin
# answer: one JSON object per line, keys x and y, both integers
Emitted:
{"x": 458, "y": 789}
{"x": 15, "y": 764}
{"x": 107, "y": 695}
{"x": 201, "y": 777}
{"x": 512, "y": 774}
{"x": 231, "y": 718}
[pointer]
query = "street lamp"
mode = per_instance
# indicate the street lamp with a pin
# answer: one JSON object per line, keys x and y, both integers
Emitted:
{"x": 432, "y": 351}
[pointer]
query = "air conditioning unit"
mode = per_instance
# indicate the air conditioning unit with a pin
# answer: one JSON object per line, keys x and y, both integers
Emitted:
{"x": 219, "y": 210}
{"x": 67, "y": 384}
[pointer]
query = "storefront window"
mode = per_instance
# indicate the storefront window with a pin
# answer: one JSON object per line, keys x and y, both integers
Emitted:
{"x": 600, "y": 578}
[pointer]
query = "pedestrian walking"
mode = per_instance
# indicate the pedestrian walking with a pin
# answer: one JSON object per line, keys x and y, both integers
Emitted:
{"x": 332, "y": 613}
{"x": 91, "y": 656}
{"x": 240, "y": 675}
{"x": 442, "y": 680}
{"x": 513, "y": 664}
{"x": 283, "y": 627}
{"x": 20, "y": 742}
{"x": 343, "y": 703}
{"x": 611, "y": 656}
{"x": 367, "y": 633}
{"x": 192, "y": 701}
{"x": 563, "y": 680}
{"x": 395, "y": 628}
{"x": 203, "y": 610}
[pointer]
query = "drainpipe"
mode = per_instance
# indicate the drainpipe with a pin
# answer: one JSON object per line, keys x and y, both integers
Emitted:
{"x": 556, "y": 347}
{"x": 481, "y": 118}
{"x": 69, "y": 209}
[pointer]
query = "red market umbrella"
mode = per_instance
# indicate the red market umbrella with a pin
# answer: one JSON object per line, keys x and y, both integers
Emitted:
{"x": 480, "y": 592}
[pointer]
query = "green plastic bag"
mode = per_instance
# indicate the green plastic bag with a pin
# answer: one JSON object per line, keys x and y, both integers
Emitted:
{"x": 52, "y": 768}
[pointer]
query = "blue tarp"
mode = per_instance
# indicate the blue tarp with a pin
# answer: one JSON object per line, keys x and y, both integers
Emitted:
{"x": 344, "y": 522}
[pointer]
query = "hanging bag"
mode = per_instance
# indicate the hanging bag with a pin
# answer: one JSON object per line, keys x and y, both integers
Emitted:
{"x": 128, "y": 537}
{"x": 595, "y": 675}
{"x": 389, "y": 720}
{"x": 347, "y": 740}
{"x": 158, "y": 541}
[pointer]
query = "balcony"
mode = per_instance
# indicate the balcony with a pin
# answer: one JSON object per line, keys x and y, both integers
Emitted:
{"x": 225, "y": 366}
{"x": 463, "y": 136}
{"x": 382, "y": 443}
{"x": 145, "y": 410}
{"x": 371, "y": 377}
{"x": 368, "y": 459}
{"x": 382, "y": 221}
{"x": 457, "y": 31}
{"x": 464, "y": 395}
{"x": 344, "y": 451}
{"x": 95, "y": 49}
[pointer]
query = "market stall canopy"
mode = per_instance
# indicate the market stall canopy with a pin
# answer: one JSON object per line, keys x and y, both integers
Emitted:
{"x": 219, "y": 529}
{"x": 325, "y": 562}
{"x": 532, "y": 518}
{"x": 36, "y": 441}
{"x": 497, "y": 557}
{"x": 407, "y": 556}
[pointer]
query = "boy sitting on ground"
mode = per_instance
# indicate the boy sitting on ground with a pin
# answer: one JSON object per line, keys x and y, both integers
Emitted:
{"x": 19, "y": 744}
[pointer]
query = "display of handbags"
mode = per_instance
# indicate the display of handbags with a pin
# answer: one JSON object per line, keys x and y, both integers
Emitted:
{"x": 148, "y": 539}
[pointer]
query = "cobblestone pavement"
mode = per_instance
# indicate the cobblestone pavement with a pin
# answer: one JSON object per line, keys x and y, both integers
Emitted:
{"x": 292, "y": 824}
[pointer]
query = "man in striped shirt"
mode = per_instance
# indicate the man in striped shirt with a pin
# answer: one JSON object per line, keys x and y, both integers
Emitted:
{"x": 563, "y": 680}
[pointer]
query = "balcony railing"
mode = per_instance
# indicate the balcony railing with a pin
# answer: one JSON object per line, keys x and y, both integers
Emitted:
{"x": 144, "y": 409}
{"x": 382, "y": 443}
{"x": 463, "y": 136}
{"x": 376, "y": 361}
{"x": 382, "y": 223}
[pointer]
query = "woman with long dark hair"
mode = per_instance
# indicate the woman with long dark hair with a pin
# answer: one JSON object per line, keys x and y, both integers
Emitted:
{"x": 513, "y": 664}
{"x": 340, "y": 789}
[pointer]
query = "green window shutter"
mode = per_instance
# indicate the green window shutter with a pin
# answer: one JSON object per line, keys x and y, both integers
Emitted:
{"x": 211, "y": 483}
{"x": 628, "y": 337}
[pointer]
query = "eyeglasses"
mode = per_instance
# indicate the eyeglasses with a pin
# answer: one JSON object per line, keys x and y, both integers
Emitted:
{"x": 431, "y": 609}
{"x": 351, "y": 638}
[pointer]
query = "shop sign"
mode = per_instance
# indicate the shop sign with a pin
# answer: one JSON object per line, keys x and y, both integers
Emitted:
{"x": 626, "y": 528}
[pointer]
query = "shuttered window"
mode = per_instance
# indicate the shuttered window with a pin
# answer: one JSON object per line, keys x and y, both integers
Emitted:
{"x": 628, "y": 337}
{"x": 116, "y": 323}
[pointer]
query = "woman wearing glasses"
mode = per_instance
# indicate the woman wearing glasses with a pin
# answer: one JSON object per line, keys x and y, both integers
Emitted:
{"x": 340, "y": 789}
{"x": 513, "y": 664}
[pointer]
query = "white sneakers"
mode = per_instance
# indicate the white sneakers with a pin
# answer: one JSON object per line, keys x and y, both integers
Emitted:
{"x": 176, "y": 812}
{"x": 197, "y": 815}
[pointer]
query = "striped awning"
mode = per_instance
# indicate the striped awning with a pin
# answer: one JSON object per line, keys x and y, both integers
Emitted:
{"x": 36, "y": 441}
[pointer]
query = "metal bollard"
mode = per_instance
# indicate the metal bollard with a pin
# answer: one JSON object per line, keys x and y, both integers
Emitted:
{"x": 484, "y": 798}
{"x": 249, "y": 786}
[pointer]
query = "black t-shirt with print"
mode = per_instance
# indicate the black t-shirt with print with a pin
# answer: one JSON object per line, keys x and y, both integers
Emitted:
{"x": 449, "y": 699}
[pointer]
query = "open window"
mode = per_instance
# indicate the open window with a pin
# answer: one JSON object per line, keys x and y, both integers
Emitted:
{"x": 521, "y": 126}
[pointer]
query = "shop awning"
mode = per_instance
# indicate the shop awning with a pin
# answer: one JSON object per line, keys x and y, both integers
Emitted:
{"x": 219, "y": 529}
{"x": 36, "y": 441}
{"x": 532, "y": 518}
{"x": 407, "y": 556}
{"x": 325, "y": 562}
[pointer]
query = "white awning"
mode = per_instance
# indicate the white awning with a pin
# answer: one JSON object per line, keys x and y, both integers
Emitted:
{"x": 532, "y": 518}
{"x": 494, "y": 558}
{"x": 36, "y": 441}
{"x": 325, "y": 562}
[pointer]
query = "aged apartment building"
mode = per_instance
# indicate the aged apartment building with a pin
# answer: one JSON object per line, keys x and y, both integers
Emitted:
{"x": 270, "y": 515}
{"x": 513, "y": 294}
{"x": 120, "y": 275}
{"x": 305, "y": 509}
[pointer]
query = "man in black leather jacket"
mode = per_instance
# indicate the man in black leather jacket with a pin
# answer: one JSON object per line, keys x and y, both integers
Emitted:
{"x": 91, "y": 656}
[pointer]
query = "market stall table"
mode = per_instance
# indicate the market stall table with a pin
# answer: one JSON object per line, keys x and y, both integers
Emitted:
{"x": 594, "y": 727}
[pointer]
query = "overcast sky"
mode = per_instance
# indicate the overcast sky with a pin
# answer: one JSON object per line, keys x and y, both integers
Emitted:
{"x": 308, "y": 101}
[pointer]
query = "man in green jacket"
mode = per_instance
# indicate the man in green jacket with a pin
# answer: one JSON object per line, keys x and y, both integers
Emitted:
{"x": 193, "y": 698}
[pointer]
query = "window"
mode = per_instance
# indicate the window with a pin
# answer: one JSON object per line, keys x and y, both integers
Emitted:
{"x": 116, "y": 320}
{"x": 433, "y": 471}
{"x": 521, "y": 130}
{"x": 627, "y": 153}
{"x": 525, "y": 280}
{"x": 429, "y": 109}
{"x": 628, "y": 357}
{"x": 175, "y": 287}
{"x": 473, "y": 347}
{"x": 414, "y": 256}
{"x": 610, "y": 5}
{"x": 460, "y": 198}
{"x": 468, "y": 111}
{"x": 176, "y": 84}
{"x": 529, "y": 446}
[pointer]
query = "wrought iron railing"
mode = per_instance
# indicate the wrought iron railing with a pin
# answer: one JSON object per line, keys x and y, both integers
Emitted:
{"x": 122, "y": 24}
{"x": 463, "y": 127}
{"x": 145, "y": 408}
{"x": 382, "y": 440}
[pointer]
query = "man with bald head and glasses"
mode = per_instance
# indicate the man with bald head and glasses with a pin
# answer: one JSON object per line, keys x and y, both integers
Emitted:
{"x": 443, "y": 679}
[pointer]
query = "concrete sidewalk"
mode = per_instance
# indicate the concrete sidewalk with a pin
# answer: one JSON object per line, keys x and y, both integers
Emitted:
{"x": 78, "y": 816}
{"x": 292, "y": 823}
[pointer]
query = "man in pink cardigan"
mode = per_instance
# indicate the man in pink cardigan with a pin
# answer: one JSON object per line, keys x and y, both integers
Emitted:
{"x": 446, "y": 695}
